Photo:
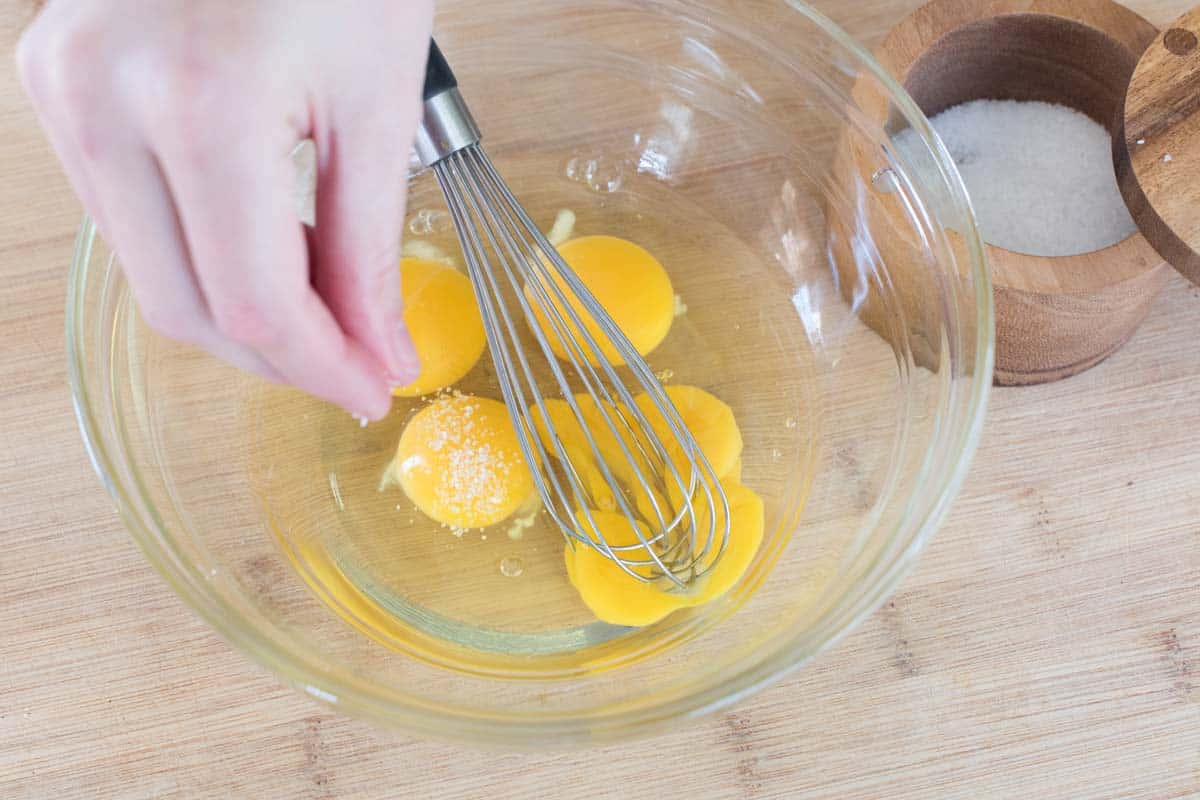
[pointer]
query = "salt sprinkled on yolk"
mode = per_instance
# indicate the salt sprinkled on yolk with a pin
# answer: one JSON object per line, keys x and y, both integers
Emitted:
{"x": 459, "y": 461}
{"x": 627, "y": 281}
{"x": 443, "y": 319}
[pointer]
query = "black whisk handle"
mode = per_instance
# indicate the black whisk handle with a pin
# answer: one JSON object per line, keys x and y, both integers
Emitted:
{"x": 438, "y": 75}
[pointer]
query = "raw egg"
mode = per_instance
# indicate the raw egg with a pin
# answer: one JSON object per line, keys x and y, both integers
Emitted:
{"x": 443, "y": 319}
{"x": 710, "y": 421}
{"x": 460, "y": 462}
{"x": 612, "y": 595}
{"x": 618, "y": 598}
{"x": 746, "y": 524}
{"x": 627, "y": 281}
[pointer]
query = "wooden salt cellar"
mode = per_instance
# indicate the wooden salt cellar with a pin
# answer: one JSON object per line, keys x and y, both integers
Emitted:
{"x": 1055, "y": 316}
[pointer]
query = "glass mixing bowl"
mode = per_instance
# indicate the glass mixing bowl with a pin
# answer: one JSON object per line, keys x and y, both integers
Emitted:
{"x": 832, "y": 291}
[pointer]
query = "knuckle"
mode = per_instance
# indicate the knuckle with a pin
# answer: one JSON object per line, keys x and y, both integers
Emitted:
{"x": 195, "y": 76}
{"x": 77, "y": 43}
{"x": 30, "y": 63}
{"x": 189, "y": 79}
{"x": 193, "y": 99}
{"x": 247, "y": 322}
{"x": 45, "y": 53}
{"x": 65, "y": 67}
{"x": 181, "y": 327}
{"x": 363, "y": 276}
{"x": 90, "y": 132}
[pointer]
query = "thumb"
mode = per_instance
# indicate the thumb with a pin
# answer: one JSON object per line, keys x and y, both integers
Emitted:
{"x": 361, "y": 174}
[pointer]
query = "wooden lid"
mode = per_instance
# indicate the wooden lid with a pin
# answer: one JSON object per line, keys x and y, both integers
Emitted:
{"x": 1158, "y": 149}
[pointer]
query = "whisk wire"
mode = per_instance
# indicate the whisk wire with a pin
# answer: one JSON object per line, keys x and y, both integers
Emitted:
{"x": 536, "y": 257}
{"x": 483, "y": 281}
{"x": 570, "y": 342}
{"x": 494, "y": 228}
{"x": 582, "y": 362}
{"x": 490, "y": 220}
{"x": 509, "y": 377}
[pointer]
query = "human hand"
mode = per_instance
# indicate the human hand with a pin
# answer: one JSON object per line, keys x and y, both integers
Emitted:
{"x": 175, "y": 121}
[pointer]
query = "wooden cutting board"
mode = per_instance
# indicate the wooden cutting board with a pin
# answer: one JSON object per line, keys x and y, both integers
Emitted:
{"x": 1048, "y": 645}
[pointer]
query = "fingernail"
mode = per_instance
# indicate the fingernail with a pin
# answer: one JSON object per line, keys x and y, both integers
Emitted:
{"x": 374, "y": 414}
{"x": 406, "y": 366}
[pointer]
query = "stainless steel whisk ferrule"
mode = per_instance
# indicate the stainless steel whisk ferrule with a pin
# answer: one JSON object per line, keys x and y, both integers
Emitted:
{"x": 447, "y": 126}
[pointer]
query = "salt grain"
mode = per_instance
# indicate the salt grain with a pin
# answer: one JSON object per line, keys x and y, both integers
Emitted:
{"x": 475, "y": 476}
{"x": 1039, "y": 175}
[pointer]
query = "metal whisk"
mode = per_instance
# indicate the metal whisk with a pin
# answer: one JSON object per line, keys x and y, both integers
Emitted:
{"x": 671, "y": 497}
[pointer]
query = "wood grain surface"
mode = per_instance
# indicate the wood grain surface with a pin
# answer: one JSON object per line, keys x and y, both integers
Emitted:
{"x": 1048, "y": 646}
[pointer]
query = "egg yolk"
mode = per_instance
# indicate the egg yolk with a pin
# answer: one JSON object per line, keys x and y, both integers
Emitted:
{"x": 443, "y": 319}
{"x": 710, "y": 421}
{"x": 746, "y": 524}
{"x": 618, "y": 598}
{"x": 612, "y": 594}
{"x": 627, "y": 281}
{"x": 459, "y": 458}
{"x": 575, "y": 446}
{"x": 460, "y": 462}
